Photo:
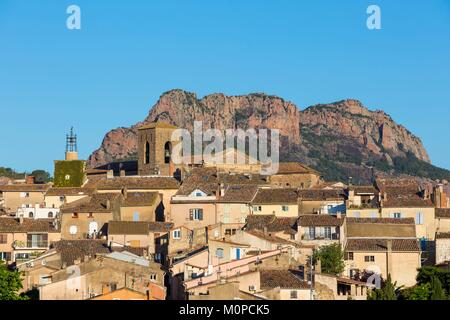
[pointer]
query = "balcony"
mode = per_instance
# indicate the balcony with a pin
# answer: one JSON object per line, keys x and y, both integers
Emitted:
{"x": 30, "y": 245}
{"x": 308, "y": 237}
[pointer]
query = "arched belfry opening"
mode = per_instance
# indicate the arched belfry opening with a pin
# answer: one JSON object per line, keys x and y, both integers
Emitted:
{"x": 147, "y": 153}
{"x": 167, "y": 152}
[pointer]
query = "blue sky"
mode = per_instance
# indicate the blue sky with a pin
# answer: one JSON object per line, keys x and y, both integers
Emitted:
{"x": 109, "y": 73}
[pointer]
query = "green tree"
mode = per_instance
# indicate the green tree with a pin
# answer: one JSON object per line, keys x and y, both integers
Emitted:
{"x": 388, "y": 291}
{"x": 425, "y": 275}
{"x": 331, "y": 259}
{"x": 437, "y": 293}
{"x": 10, "y": 283}
{"x": 419, "y": 292}
{"x": 41, "y": 176}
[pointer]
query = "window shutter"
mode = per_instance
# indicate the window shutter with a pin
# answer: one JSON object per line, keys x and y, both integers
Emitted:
{"x": 191, "y": 214}
{"x": 200, "y": 214}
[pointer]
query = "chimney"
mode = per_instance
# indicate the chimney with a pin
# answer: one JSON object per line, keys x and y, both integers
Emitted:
{"x": 29, "y": 180}
{"x": 110, "y": 174}
{"x": 265, "y": 230}
{"x": 21, "y": 219}
{"x": 339, "y": 215}
{"x": 122, "y": 173}
{"x": 222, "y": 190}
{"x": 125, "y": 193}
{"x": 108, "y": 204}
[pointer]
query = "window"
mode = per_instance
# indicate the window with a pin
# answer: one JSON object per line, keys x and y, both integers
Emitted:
{"x": 75, "y": 215}
{"x": 90, "y": 215}
{"x": 176, "y": 234}
{"x": 22, "y": 256}
{"x": 373, "y": 215}
{"x": 294, "y": 294}
{"x": 257, "y": 208}
{"x": 5, "y": 256}
{"x": 136, "y": 216}
{"x": 219, "y": 253}
{"x": 349, "y": 256}
{"x": 3, "y": 238}
{"x": 167, "y": 152}
{"x": 292, "y": 236}
{"x": 157, "y": 257}
{"x": 30, "y": 214}
{"x": 312, "y": 233}
{"x": 327, "y": 233}
{"x": 397, "y": 215}
{"x": 369, "y": 258}
{"x": 285, "y": 208}
{"x": 230, "y": 232}
{"x": 73, "y": 230}
{"x": 198, "y": 194}
{"x": 251, "y": 288}
{"x": 419, "y": 218}
{"x": 24, "y": 194}
{"x": 61, "y": 199}
{"x": 50, "y": 214}
{"x": 147, "y": 153}
{"x": 357, "y": 214}
{"x": 196, "y": 214}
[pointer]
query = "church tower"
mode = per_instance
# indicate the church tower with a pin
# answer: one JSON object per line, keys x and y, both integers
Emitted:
{"x": 71, "y": 171}
{"x": 155, "y": 149}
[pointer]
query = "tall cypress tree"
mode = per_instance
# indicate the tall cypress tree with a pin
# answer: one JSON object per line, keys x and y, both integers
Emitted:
{"x": 437, "y": 293}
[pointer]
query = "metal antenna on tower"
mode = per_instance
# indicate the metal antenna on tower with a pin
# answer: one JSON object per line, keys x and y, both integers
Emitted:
{"x": 71, "y": 142}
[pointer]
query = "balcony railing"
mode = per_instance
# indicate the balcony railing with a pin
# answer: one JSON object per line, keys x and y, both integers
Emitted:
{"x": 30, "y": 245}
{"x": 334, "y": 236}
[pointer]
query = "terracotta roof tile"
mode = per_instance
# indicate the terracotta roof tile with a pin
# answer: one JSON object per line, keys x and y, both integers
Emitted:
{"x": 138, "y": 183}
{"x": 69, "y": 191}
{"x": 381, "y": 245}
{"x": 381, "y": 220}
{"x": 442, "y": 213}
{"x": 284, "y": 279}
{"x": 295, "y": 167}
{"x": 239, "y": 194}
{"x": 72, "y": 250}
{"x": 276, "y": 196}
{"x": 98, "y": 202}
{"x": 271, "y": 223}
{"x": 137, "y": 199}
{"x": 128, "y": 227}
{"x": 13, "y": 225}
{"x": 321, "y": 195}
{"x": 24, "y": 188}
{"x": 320, "y": 220}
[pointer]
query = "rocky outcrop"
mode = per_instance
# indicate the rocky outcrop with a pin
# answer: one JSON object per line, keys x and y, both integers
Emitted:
{"x": 345, "y": 133}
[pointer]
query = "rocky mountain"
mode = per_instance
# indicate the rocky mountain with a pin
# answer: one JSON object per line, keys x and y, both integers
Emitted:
{"x": 340, "y": 139}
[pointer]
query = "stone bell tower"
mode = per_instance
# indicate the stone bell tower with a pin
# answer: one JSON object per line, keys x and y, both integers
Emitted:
{"x": 155, "y": 149}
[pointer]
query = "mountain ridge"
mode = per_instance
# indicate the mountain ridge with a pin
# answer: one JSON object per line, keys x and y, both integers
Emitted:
{"x": 343, "y": 134}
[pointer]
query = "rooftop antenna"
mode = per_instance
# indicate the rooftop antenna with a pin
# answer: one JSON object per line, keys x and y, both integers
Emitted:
{"x": 71, "y": 141}
{"x": 71, "y": 146}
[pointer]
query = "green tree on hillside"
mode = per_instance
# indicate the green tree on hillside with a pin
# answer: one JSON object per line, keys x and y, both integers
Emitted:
{"x": 331, "y": 259}
{"x": 437, "y": 293}
{"x": 10, "y": 284}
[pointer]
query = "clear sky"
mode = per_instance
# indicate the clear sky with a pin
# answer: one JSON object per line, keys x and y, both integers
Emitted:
{"x": 109, "y": 73}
